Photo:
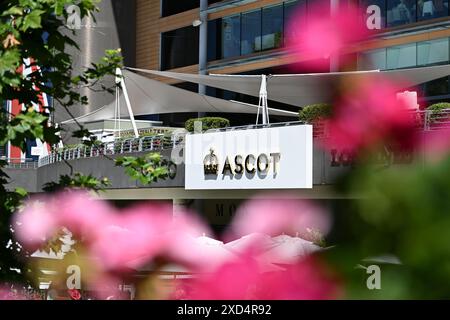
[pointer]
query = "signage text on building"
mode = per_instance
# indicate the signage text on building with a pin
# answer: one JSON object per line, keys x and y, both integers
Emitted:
{"x": 266, "y": 158}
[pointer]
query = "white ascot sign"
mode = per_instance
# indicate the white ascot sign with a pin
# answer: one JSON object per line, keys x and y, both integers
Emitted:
{"x": 268, "y": 158}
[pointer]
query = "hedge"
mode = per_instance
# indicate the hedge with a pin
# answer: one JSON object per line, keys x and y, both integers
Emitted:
{"x": 315, "y": 112}
{"x": 436, "y": 109}
{"x": 207, "y": 123}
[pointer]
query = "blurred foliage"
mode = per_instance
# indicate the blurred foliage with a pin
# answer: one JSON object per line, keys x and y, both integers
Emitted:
{"x": 147, "y": 169}
{"x": 207, "y": 123}
{"x": 11, "y": 255}
{"x": 402, "y": 210}
{"x": 37, "y": 29}
{"x": 314, "y": 112}
{"x": 439, "y": 106}
{"x": 436, "y": 109}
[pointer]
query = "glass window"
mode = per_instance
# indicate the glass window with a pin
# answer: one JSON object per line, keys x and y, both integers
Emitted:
{"x": 374, "y": 12}
{"x": 372, "y": 60}
{"x": 400, "y": 12}
{"x": 430, "y": 9}
{"x": 170, "y": 7}
{"x": 438, "y": 87}
{"x": 179, "y": 48}
{"x": 432, "y": 52}
{"x": 401, "y": 56}
{"x": 272, "y": 27}
{"x": 251, "y": 32}
{"x": 291, "y": 23}
{"x": 231, "y": 36}
{"x": 214, "y": 39}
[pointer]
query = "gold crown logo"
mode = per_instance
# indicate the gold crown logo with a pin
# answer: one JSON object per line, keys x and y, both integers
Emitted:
{"x": 211, "y": 163}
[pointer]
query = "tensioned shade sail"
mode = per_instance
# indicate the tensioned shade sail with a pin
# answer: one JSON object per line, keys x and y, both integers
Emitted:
{"x": 303, "y": 89}
{"x": 149, "y": 96}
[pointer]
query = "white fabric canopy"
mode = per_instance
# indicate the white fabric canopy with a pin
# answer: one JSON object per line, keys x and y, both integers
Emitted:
{"x": 149, "y": 96}
{"x": 303, "y": 89}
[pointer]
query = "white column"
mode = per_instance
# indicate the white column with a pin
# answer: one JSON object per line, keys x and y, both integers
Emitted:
{"x": 203, "y": 46}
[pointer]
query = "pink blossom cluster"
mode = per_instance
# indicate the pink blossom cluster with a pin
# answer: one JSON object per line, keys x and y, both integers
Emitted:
{"x": 366, "y": 111}
{"x": 325, "y": 34}
{"x": 370, "y": 115}
{"x": 122, "y": 241}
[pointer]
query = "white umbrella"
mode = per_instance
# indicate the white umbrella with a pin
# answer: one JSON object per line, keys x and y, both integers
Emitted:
{"x": 209, "y": 252}
{"x": 288, "y": 250}
{"x": 254, "y": 241}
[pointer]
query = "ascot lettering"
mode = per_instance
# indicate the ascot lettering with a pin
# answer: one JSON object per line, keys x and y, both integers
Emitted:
{"x": 252, "y": 164}
{"x": 239, "y": 168}
{"x": 239, "y": 165}
{"x": 249, "y": 164}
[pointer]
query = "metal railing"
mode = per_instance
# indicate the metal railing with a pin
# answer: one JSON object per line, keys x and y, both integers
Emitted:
{"x": 424, "y": 121}
{"x": 256, "y": 126}
{"x": 134, "y": 145}
{"x": 17, "y": 163}
{"x": 436, "y": 120}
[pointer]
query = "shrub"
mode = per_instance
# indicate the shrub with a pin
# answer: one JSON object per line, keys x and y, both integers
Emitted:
{"x": 315, "y": 112}
{"x": 207, "y": 123}
{"x": 436, "y": 109}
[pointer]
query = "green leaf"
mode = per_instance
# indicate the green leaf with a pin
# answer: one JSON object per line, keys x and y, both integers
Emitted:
{"x": 13, "y": 11}
{"x": 32, "y": 20}
{"x": 9, "y": 61}
{"x": 21, "y": 192}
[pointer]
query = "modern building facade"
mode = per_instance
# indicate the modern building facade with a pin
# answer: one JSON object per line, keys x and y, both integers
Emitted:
{"x": 248, "y": 37}
{"x": 243, "y": 37}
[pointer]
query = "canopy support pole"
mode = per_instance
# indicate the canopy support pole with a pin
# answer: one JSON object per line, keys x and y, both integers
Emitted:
{"x": 120, "y": 80}
{"x": 263, "y": 105}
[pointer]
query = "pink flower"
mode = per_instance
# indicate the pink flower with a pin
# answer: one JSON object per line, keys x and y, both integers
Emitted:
{"x": 106, "y": 286}
{"x": 135, "y": 233}
{"x": 436, "y": 144}
{"x": 9, "y": 293}
{"x": 275, "y": 216}
{"x": 308, "y": 279}
{"x": 74, "y": 294}
{"x": 82, "y": 214}
{"x": 231, "y": 281}
{"x": 240, "y": 280}
{"x": 44, "y": 216}
{"x": 370, "y": 115}
{"x": 182, "y": 245}
{"x": 142, "y": 233}
{"x": 325, "y": 33}
{"x": 36, "y": 223}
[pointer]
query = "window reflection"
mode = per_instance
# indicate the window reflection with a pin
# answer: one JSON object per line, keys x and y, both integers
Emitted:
{"x": 251, "y": 32}
{"x": 403, "y": 56}
{"x": 372, "y": 60}
{"x": 179, "y": 48}
{"x": 429, "y": 9}
{"x": 435, "y": 88}
{"x": 231, "y": 35}
{"x": 272, "y": 27}
{"x": 291, "y": 24}
{"x": 400, "y": 12}
{"x": 433, "y": 52}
